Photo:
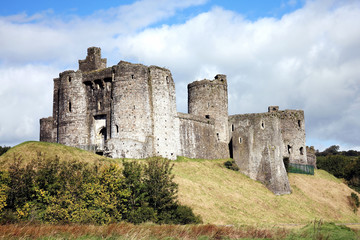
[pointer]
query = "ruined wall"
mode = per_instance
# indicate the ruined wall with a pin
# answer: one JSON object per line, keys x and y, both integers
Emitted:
{"x": 131, "y": 121}
{"x": 98, "y": 86}
{"x": 310, "y": 155}
{"x": 293, "y": 133}
{"x": 165, "y": 126}
{"x": 47, "y": 130}
{"x": 209, "y": 98}
{"x": 197, "y": 137}
{"x": 257, "y": 148}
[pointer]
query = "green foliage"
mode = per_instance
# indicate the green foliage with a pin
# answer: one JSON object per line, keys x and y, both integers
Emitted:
{"x": 53, "y": 191}
{"x": 3, "y": 149}
{"x": 341, "y": 166}
{"x": 154, "y": 193}
{"x": 320, "y": 230}
{"x": 354, "y": 201}
{"x": 230, "y": 164}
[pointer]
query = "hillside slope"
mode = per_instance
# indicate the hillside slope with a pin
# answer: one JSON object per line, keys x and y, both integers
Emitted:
{"x": 223, "y": 196}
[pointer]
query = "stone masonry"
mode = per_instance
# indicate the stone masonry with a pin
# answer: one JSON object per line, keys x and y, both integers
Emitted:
{"x": 129, "y": 111}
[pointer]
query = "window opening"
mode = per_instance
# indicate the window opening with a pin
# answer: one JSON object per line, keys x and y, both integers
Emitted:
{"x": 240, "y": 140}
{"x": 117, "y": 129}
{"x": 217, "y": 135}
{"x": 299, "y": 123}
{"x": 262, "y": 125}
{"x": 232, "y": 127}
{"x": 99, "y": 105}
{"x": 132, "y": 76}
{"x": 289, "y": 149}
{"x": 69, "y": 106}
{"x": 207, "y": 116}
{"x": 301, "y": 151}
{"x": 69, "y": 78}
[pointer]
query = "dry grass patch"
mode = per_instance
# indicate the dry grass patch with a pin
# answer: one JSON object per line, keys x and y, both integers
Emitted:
{"x": 223, "y": 196}
{"x": 144, "y": 231}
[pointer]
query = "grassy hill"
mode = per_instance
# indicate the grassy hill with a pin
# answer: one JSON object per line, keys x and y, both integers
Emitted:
{"x": 223, "y": 196}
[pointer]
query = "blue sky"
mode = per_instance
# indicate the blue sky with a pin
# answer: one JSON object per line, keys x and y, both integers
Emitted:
{"x": 252, "y": 10}
{"x": 298, "y": 54}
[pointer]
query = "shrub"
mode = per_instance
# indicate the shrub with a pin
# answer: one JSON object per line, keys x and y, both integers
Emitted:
{"x": 231, "y": 165}
{"x": 354, "y": 201}
{"x": 48, "y": 190}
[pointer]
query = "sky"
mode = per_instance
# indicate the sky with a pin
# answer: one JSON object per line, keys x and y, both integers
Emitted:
{"x": 297, "y": 54}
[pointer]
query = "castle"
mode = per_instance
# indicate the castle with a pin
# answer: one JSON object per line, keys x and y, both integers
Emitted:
{"x": 129, "y": 111}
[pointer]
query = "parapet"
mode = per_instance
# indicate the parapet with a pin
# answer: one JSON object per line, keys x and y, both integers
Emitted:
{"x": 220, "y": 79}
{"x": 93, "y": 60}
{"x": 196, "y": 118}
{"x": 273, "y": 108}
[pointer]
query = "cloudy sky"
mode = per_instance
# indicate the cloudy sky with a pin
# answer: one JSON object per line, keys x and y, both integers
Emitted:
{"x": 297, "y": 54}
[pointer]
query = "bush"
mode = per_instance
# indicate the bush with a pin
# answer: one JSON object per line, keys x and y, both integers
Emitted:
{"x": 354, "y": 201}
{"x": 231, "y": 165}
{"x": 51, "y": 191}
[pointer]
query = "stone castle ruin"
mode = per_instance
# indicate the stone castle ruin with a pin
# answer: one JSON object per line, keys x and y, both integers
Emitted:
{"x": 129, "y": 111}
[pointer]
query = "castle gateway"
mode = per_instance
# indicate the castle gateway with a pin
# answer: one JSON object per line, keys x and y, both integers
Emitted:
{"x": 129, "y": 111}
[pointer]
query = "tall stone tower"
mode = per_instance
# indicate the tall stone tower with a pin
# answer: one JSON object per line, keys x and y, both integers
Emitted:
{"x": 209, "y": 98}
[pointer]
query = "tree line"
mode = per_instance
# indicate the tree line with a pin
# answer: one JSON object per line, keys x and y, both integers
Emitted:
{"x": 342, "y": 164}
{"x": 54, "y": 191}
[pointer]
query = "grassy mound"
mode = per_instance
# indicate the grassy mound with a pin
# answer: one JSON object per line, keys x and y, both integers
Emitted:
{"x": 30, "y": 150}
{"x": 223, "y": 196}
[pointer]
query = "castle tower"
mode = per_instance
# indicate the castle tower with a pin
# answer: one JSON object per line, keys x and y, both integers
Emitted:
{"x": 165, "y": 126}
{"x": 209, "y": 99}
{"x": 70, "y": 109}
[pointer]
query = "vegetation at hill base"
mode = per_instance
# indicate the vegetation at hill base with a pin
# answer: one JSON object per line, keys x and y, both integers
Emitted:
{"x": 3, "y": 150}
{"x": 48, "y": 190}
{"x": 345, "y": 165}
{"x": 317, "y": 230}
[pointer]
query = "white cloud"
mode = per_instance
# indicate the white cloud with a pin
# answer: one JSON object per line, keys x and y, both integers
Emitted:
{"x": 307, "y": 60}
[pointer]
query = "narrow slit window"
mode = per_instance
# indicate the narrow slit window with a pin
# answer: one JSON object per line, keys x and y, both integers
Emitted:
{"x": 69, "y": 106}
{"x": 289, "y": 149}
{"x": 299, "y": 123}
{"x": 240, "y": 140}
{"x": 117, "y": 129}
{"x": 232, "y": 127}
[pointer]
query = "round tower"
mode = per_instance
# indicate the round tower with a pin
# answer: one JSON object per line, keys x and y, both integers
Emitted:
{"x": 209, "y": 99}
{"x": 71, "y": 112}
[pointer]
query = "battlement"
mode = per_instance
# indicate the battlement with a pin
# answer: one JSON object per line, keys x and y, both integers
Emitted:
{"x": 93, "y": 60}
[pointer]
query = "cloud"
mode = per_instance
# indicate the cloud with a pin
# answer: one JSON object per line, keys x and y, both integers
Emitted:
{"x": 307, "y": 60}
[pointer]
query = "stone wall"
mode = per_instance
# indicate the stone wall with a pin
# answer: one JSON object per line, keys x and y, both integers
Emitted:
{"x": 197, "y": 137}
{"x": 132, "y": 123}
{"x": 310, "y": 155}
{"x": 209, "y": 98}
{"x": 257, "y": 148}
{"x": 293, "y": 133}
{"x": 72, "y": 124}
{"x": 165, "y": 126}
{"x": 47, "y": 130}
